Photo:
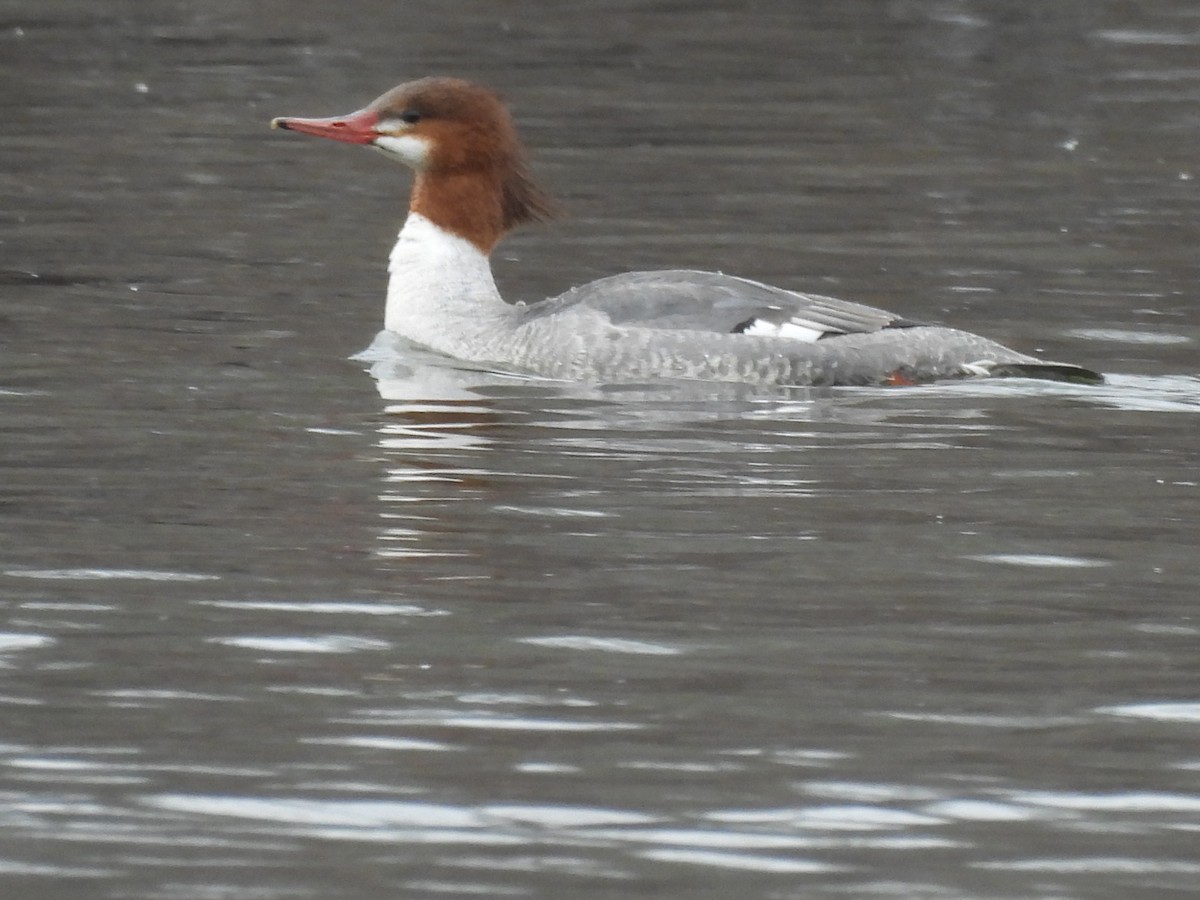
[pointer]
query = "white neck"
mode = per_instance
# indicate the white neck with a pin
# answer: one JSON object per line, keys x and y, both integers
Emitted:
{"x": 441, "y": 292}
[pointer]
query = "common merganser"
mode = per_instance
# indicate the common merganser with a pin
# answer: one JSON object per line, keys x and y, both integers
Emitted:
{"x": 472, "y": 186}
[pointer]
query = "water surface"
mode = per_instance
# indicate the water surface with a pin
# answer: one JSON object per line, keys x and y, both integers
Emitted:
{"x": 275, "y": 623}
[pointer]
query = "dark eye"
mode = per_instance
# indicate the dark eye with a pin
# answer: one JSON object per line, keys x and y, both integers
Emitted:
{"x": 410, "y": 116}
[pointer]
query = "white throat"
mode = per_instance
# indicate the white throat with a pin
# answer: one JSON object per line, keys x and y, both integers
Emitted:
{"x": 441, "y": 292}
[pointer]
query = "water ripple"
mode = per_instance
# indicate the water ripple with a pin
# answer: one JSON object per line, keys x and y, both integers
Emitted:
{"x": 486, "y": 721}
{"x": 741, "y": 861}
{"x": 602, "y": 644}
{"x": 321, "y": 644}
{"x": 1162, "y": 712}
{"x": 11, "y": 641}
{"x": 329, "y": 607}
{"x": 1130, "y": 801}
{"x": 108, "y": 574}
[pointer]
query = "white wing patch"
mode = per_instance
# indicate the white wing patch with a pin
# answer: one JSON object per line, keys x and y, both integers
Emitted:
{"x": 793, "y": 330}
{"x": 981, "y": 368}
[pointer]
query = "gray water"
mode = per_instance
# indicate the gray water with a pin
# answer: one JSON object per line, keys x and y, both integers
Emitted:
{"x": 282, "y": 624}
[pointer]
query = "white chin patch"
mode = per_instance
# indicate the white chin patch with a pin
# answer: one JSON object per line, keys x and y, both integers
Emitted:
{"x": 791, "y": 330}
{"x": 410, "y": 150}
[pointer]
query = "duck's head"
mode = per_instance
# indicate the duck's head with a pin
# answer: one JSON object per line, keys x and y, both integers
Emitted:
{"x": 460, "y": 140}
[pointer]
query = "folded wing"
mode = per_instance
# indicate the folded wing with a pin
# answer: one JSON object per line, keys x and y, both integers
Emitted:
{"x": 685, "y": 300}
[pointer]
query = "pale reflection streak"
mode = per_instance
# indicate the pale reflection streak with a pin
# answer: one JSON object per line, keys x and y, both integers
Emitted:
{"x": 1130, "y": 393}
{"x": 413, "y": 440}
{"x": 434, "y": 417}
{"x": 443, "y": 417}
{"x": 432, "y": 411}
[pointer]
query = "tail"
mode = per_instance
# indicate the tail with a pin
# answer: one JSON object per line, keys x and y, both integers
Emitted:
{"x": 1049, "y": 371}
